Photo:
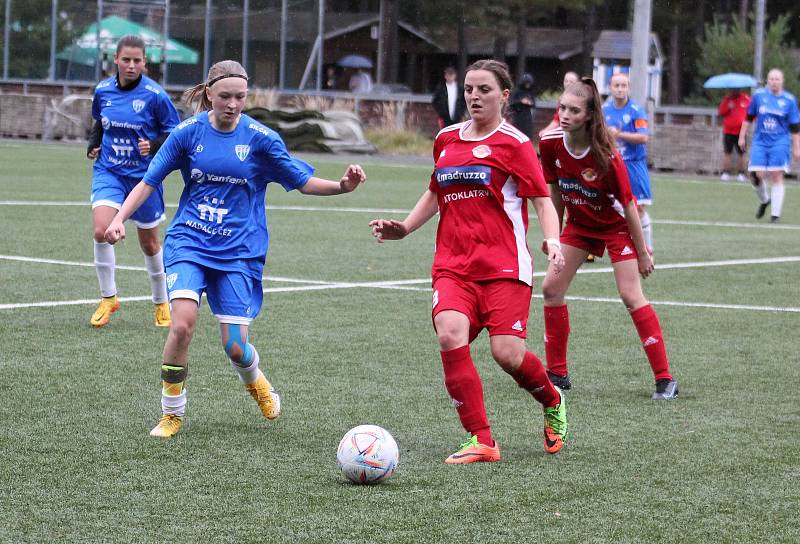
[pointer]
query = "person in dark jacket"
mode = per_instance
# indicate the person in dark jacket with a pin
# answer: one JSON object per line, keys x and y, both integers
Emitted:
{"x": 522, "y": 105}
{"x": 448, "y": 99}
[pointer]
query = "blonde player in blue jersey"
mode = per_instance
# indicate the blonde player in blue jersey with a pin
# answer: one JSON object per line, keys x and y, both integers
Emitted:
{"x": 627, "y": 122}
{"x": 217, "y": 242}
{"x": 133, "y": 116}
{"x": 777, "y": 121}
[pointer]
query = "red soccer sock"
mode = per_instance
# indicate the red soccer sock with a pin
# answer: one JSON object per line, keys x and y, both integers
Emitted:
{"x": 466, "y": 391}
{"x": 531, "y": 376}
{"x": 556, "y": 335}
{"x": 649, "y": 329}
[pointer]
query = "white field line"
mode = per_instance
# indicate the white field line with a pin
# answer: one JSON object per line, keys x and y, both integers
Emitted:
{"x": 315, "y": 209}
{"x": 317, "y": 285}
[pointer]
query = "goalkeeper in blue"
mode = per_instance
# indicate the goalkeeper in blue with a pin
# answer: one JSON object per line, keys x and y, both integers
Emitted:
{"x": 217, "y": 242}
{"x": 133, "y": 117}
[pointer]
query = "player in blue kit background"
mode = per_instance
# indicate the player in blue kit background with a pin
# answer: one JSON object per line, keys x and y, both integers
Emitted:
{"x": 133, "y": 116}
{"x": 777, "y": 121}
{"x": 217, "y": 242}
{"x": 627, "y": 122}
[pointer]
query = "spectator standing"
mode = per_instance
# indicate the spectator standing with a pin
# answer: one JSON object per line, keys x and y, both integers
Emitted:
{"x": 360, "y": 82}
{"x": 448, "y": 99}
{"x": 522, "y": 105}
{"x": 733, "y": 110}
{"x": 777, "y": 122}
{"x": 569, "y": 77}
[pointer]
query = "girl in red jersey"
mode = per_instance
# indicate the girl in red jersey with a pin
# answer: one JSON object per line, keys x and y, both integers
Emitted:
{"x": 482, "y": 271}
{"x": 590, "y": 181}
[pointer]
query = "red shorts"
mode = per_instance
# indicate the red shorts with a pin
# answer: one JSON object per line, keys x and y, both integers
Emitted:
{"x": 501, "y": 306}
{"x": 619, "y": 243}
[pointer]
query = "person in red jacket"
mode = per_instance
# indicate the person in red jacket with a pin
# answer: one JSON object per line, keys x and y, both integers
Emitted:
{"x": 733, "y": 110}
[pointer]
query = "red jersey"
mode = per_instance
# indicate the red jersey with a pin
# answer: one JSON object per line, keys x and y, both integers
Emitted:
{"x": 733, "y": 110}
{"x": 592, "y": 201}
{"x": 481, "y": 187}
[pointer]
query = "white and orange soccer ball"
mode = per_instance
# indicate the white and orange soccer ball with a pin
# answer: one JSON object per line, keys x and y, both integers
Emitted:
{"x": 367, "y": 454}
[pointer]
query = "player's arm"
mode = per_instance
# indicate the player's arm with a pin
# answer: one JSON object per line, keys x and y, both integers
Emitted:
{"x": 140, "y": 193}
{"x": 95, "y": 140}
{"x": 631, "y": 137}
{"x": 635, "y": 228}
{"x": 796, "y": 141}
{"x": 352, "y": 178}
{"x": 551, "y": 227}
{"x": 391, "y": 229}
{"x": 743, "y": 131}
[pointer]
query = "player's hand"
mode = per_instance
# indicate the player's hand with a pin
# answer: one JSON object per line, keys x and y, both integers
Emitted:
{"x": 144, "y": 147}
{"x": 115, "y": 232}
{"x": 93, "y": 153}
{"x": 554, "y": 255}
{"x": 742, "y": 142}
{"x": 388, "y": 229}
{"x": 614, "y": 131}
{"x": 352, "y": 178}
{"x": 646, "y": 265}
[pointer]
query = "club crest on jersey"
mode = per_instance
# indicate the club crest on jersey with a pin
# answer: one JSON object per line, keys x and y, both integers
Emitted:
{"x": 481, "y": 152}
{"x": 198, "y": 176}
{"x": 171, "y": 280}
{"x": 138, "y": 105}
{"x": 588, "y": 174}
{"x": 242, "y": 151}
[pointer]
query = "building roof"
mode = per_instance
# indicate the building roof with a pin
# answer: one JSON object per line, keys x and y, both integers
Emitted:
{"x": 542, "y": 42}
{"x": 616, "y": 44}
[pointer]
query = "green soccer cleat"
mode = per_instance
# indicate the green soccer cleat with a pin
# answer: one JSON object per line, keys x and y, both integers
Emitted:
{"x": 555, "y": 425}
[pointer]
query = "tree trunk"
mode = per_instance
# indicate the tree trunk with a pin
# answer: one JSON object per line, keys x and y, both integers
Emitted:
{"x": 675, "y": 76}
{"x": 462, "y": 46}
{"x": 388, "y": 42}
{"x": 588, "y": 39}
{"x": 499, "y": 49}
{"x": 744, "y": 11}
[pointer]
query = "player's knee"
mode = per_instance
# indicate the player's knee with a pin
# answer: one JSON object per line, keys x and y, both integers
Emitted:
{"x": 632, "y": 298}
{"x": 181, "y": 330}
{"x": 99, "y": 234}
{"x": 236, "y": 348}
{"x": 507, "y": 356}
{"x": 552, "y": 293}
{"x": 150, "y": 245}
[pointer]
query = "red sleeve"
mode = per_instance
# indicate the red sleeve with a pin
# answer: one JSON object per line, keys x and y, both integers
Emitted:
{"x": 722, "y": 110}
{"x": 547, "y": 149}
{"x": 527, "y": 172}
{"x": 618, "y": 180}
{"x": 438, "y": 145}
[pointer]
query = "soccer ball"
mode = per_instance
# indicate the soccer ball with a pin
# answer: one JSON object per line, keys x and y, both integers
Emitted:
{"x": 367, "y": 454}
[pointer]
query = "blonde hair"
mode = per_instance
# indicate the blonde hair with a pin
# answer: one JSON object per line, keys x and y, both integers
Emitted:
{"x": 220, "y": 70}
{"x": 603, "y": 145}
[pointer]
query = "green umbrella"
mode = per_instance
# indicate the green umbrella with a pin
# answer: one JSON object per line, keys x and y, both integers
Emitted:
{"x": 84, "y": 50}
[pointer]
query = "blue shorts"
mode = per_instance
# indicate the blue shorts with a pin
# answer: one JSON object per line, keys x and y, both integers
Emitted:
{"x": 233, "y": 297}
{"x": 109, "y": 189}
{"x": 773, "y": 157}
{"x": 640, "y": 181}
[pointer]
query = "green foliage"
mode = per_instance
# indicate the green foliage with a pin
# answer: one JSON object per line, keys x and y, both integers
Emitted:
{"x": 400, "y": 142}
{"x": 730, "y": 48}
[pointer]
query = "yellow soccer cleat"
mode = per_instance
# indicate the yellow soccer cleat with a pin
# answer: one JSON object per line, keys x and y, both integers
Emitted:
{"x": 268, "y": 400}
{"x": 168, "y": 426}
{"x": 162, "y": 317}
{"x": 102, "y": 315}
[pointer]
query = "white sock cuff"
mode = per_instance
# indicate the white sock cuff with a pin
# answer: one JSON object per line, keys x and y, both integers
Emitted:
{"x": 248, "y": 374}
{"x": 173, "y": 405}
{"x": 155, "y": 263}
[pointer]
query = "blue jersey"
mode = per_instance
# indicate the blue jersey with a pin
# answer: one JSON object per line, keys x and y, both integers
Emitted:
{"x": 773, "y": 116}
{"x": 144, "y": 111}
{"x": 629, "y": 118}
{"x": 221, "y": 220}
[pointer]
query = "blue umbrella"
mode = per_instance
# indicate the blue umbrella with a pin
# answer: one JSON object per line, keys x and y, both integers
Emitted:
{"x": 730, "y": 80}
{"x": 354, "y": 61}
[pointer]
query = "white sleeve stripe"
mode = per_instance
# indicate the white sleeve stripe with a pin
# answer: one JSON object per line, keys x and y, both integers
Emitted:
{"x": 450, "y": 128}
{"x": 505, "y": 128}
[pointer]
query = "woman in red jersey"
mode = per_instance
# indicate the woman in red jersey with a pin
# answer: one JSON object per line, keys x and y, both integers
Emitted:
{"x": 590, "y": 181}
{"x": 482, "y": 270}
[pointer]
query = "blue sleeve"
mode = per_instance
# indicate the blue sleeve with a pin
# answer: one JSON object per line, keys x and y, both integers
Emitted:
{"x": 752, "y": 109}
{"x": 291, "y": 173}
{"x": 95, "y": 107}
{"x": 794, "y": 113}
{"x": 170, "y": 157}
{"x": 167, "y": 114}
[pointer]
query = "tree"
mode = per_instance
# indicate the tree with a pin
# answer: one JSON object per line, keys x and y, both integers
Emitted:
{"x": 29, "y": 39}
{"x": 730, "y": 48}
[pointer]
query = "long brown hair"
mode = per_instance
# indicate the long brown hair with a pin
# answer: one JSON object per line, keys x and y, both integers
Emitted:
{"x": 220, "y": 70}
{"x": 603, "y": 145}
{"x": 499, "y": 70}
